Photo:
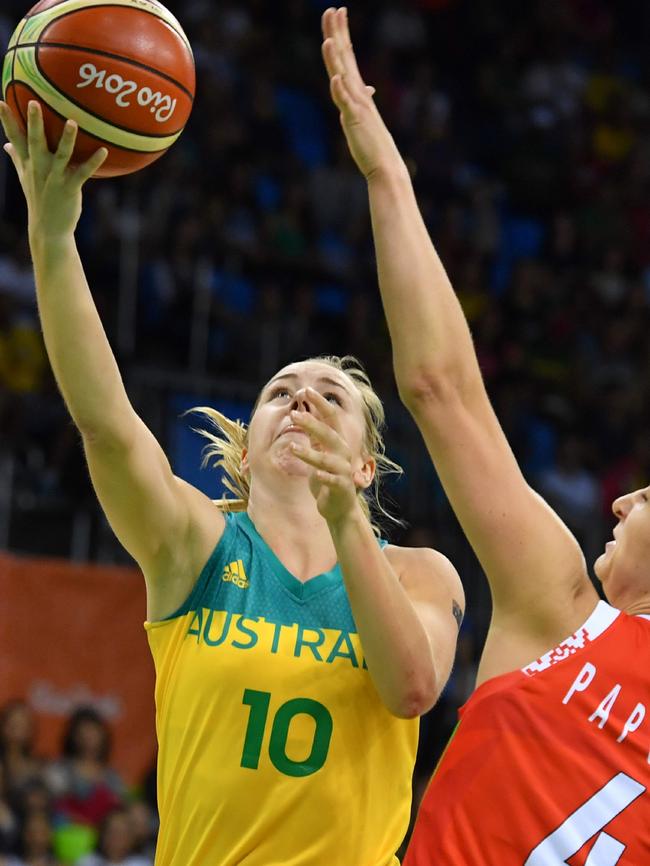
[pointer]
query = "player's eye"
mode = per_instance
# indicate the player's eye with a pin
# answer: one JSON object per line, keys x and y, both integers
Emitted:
{"x": 280, "y": 391}
{"x": 331, "y": 397}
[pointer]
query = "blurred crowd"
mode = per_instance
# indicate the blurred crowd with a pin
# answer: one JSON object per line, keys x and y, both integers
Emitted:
{"x": 526, "y": 127}
{"x": 74, "y": 810}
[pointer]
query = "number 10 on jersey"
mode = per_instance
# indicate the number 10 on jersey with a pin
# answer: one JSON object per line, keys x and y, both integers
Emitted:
{"x": 257, "y": 723}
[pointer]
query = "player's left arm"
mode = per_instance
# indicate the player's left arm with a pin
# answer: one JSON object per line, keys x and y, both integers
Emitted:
{"x": 434, "y": 588}
{"x": 408, "y": 604}
{"x": 405, "y": 602}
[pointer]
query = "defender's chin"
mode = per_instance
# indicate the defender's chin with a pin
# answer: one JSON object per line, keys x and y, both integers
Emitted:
{"x": 603, "y": 565}
{"x": 599, "y": 566}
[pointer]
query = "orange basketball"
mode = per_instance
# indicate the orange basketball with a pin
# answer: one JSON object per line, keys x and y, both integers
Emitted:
{"x": 122, "y": 69}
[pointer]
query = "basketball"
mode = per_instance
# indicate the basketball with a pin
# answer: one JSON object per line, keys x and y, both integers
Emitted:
{"x": 122, "y": 69}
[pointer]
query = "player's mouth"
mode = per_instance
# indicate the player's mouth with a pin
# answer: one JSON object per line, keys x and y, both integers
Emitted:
{"x": 291, "y": 429}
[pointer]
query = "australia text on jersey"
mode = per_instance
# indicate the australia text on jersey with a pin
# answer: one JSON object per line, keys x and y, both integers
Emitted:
{"x": 626, "y": 728}
{"x": 216, "y": 628}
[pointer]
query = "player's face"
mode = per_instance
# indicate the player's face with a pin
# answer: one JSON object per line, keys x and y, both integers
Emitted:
{"x": 271, "y": 432}
{"x": 624, "y": 568}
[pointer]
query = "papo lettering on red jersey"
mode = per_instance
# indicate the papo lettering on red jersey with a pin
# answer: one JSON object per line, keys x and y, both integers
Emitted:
{"x": 601, "y": 713}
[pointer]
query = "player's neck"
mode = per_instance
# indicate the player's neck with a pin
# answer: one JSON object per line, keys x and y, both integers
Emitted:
{"x": 640, "y": 606}
{"x": 292, "y": 526}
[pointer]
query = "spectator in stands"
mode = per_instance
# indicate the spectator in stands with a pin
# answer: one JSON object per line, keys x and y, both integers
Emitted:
{"x": 144, "y": 824}
{"x": 34, "y": 796}
{"x": 17, "y": 733}
{"x": 35, "y": 848}
{"x": 117, "y": 843}
{"x": 86, "y": 789}
{"x": 8, "y": 820}
{"x": 571, "y": 489}
{"x": 551, "y": 169}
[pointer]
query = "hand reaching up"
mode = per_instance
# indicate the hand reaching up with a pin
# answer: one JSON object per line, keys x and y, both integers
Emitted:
{"x": 52, "y": 187}
{"x": 370, "y": 142}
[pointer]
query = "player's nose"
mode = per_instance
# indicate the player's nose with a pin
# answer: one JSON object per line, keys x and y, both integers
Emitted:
{"x": 621, "y": 506}
{"x": 300, "y": 401}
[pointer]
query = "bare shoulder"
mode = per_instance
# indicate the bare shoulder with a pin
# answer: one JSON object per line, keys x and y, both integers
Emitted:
{"x": 511, "y": 643}
{"x": 427, "y": 575}
{"x": 434, "y": 589}
{"x": 172, "y": 576}
{"x": 205, "y": 528}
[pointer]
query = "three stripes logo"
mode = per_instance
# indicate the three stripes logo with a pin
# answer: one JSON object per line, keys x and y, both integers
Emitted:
{"x": 235, "y": 573}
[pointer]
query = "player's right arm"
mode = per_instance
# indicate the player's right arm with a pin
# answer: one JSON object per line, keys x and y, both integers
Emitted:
{"x": 540, "y": 588}
{"x": 166, "y": 525}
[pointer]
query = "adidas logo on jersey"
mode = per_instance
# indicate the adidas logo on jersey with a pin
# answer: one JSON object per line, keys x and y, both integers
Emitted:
{"x": 235, "y": 573}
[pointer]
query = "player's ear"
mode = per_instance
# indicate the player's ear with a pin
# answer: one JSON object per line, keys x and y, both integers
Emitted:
{"x": 244, "y": 465}
{"x": 365, "y": 475}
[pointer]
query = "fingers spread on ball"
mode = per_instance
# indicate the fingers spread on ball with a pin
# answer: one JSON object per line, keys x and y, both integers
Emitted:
{"x": 10, "y": 150}
{"x": 35, "y": 130}
{"x": 66, "y": 145}
{"x": 12, "y": 131}
{"x": 87, "y": 169}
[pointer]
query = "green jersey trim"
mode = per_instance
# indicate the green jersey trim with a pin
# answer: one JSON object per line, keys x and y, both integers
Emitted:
{"x": 222, "y": 551}
{"x": 301, "y": 590}
{"x": 210, "y": 582}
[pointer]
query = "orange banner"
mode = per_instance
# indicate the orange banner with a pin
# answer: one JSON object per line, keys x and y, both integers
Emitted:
{"x": 71, "y": 635}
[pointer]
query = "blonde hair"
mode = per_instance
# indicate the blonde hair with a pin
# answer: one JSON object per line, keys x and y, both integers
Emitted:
{"x": 225, "y": 446}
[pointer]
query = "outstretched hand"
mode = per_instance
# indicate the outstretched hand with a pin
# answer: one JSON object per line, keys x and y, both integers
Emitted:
{"x": 334, "y": 483}
{"x": 370, "y": 142}
{"x": 52, "y": 187}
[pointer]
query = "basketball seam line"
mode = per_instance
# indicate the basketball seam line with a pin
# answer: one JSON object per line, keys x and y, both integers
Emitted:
{"x": 101, "y": 53}
{"x": 180, "y": 33}
{"x": 32, "y": 14}
{"x": 116, "y": 126}
{"x": 103, "y": 141}
{"x": 13, "y": 75}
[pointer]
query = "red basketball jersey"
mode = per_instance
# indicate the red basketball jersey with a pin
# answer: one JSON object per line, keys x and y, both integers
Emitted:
{"x": 550, "y": 765}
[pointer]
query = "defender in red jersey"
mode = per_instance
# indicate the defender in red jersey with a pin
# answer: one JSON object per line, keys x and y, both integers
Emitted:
{"x": 550, "y": 762}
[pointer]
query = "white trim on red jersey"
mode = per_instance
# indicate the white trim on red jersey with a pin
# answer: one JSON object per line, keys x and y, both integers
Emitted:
{"x": 602, "y": 617}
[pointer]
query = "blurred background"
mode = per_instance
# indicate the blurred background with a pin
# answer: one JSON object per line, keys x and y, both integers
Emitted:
{"x": 527, "y": 131}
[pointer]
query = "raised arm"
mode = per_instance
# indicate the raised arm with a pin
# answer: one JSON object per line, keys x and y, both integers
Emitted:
{"x": 407, "y": 603}
{"x": 540, "y": 587}
{"x": 159, "y": 519}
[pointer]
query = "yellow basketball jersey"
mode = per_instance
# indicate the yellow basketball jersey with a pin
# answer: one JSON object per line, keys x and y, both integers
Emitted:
{"x": 275, "y": 748}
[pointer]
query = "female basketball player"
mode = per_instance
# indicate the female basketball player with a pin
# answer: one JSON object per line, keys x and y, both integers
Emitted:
{"x": 293, "y": 652}
{"x": 549, "y": 763}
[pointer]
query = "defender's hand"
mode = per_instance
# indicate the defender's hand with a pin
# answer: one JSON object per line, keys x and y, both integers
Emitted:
{"x": 52, "y": 187}
{"x": 370, "y": 142}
